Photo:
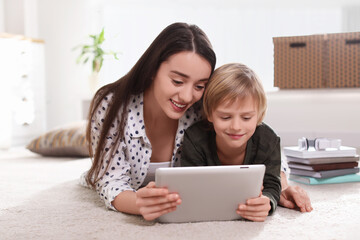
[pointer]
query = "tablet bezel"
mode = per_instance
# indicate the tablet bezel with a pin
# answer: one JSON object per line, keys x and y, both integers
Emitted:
{"x": 217, "y": 200}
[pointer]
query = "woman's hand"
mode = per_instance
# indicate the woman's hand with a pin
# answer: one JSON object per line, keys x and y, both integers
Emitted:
{"x": 255, "y": 209}
{"x": 154, "y": 202}
{"x": 295, "y": 197}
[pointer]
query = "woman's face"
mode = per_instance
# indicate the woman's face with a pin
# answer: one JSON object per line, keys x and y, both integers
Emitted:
{"x": 180, "y": 82}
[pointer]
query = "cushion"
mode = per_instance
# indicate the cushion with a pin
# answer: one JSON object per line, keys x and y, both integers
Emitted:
{"x": 65, "y": 141}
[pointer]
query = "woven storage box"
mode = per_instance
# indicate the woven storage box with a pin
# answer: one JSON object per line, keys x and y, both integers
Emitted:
{"x": 317, "y": 61}
{"x": 344, "y": 60}
{"x": 299, "y": 62}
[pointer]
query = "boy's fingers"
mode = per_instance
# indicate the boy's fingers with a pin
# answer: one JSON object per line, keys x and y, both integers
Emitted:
{"x": 255, "y": 219}
{"x": 254, "y": 208}
{"x": 252, "y": 214}
{"x": 257, "y": 201}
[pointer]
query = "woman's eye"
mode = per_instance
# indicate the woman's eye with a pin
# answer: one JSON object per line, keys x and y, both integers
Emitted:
{"x": 176, "y": 82}
{"x": 200, "y": 87}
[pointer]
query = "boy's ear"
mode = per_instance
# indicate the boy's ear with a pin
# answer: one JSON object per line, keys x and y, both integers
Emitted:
{"x": 209, "y": 118}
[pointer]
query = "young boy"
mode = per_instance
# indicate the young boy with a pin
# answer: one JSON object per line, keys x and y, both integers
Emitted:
{"x": 233, "y": 133}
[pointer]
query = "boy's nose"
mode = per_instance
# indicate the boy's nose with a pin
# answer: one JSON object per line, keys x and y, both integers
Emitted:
{"x": 236, "y": 124}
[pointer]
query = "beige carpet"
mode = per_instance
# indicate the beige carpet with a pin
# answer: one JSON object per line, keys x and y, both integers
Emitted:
{"x": 41, "y": 199}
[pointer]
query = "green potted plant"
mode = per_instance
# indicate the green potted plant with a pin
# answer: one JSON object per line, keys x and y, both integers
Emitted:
{"x": 94, "y": 53}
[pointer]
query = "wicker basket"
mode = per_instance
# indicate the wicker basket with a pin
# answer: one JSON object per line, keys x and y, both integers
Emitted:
{"x": 317, "y": 61}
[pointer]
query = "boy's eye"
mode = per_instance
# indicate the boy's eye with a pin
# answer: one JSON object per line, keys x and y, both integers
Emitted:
{"x": 246, "y": 118}
{"x": 225, "y": 117}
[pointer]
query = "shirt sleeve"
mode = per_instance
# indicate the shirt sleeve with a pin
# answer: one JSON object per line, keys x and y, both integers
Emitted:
{"x": 284, "y": 165}
{"x": 272, "y": 183}
{"x": 116, "y": 178}
{"x": 191, "y": 155}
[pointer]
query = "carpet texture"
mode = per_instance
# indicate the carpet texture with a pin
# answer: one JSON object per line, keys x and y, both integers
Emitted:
{"x": 41, "y": 199}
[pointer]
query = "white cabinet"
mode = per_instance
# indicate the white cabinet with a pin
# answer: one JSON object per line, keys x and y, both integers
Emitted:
{"x": 22, "y": 89}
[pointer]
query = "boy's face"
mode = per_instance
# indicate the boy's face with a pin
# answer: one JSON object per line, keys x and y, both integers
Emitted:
{"x": 234, "y": 122}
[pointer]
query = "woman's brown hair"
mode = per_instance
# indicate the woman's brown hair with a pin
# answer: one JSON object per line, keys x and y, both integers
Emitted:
{"x": 173, "y": 39}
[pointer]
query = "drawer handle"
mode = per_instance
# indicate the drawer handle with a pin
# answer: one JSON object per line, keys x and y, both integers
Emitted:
{"x": 297, "y": 45}
{"x": 352, "y": 41}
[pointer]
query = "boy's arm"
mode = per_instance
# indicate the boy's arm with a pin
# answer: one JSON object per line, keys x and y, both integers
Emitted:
{"x": 272, "y": 182}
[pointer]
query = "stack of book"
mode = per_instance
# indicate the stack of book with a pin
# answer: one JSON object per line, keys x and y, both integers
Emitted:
{"x": 323, "y": 166}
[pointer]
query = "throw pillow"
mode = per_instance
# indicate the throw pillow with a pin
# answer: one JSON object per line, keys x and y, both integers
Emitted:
{"x": 65, "y": 141}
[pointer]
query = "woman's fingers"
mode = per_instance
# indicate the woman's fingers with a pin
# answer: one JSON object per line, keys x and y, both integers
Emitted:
{"x": 302, "y": 200}
{"x": 154, "y": 202}
{"x": 151, "y": 190}
{"x": 151, "y": 195}
{"x": 150, "y": 212}
{"x": 295, "y": 196}
{"x": 159, "y": 207}
{"x": 154, "y": 215}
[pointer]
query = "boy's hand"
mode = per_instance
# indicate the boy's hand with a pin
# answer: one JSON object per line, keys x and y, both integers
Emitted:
{"x": 255, "y": 209}
{"x": 154, "y": 202}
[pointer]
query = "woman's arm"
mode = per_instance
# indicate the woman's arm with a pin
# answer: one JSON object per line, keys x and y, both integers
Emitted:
{"x": 294, "y": 196}
{"x": 114, "y": 187}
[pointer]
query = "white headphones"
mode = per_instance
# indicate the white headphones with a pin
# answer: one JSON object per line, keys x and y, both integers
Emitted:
{"x": 319, "y": 143}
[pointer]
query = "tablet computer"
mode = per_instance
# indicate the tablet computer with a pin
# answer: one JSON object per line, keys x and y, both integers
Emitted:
{"x": 210, "y": 193}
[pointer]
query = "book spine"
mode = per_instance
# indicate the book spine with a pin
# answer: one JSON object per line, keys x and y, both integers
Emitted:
{"x": 315, "y": 181}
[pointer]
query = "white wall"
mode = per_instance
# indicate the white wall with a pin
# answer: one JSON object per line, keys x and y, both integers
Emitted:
{"x": 330, "y": 113}
{"x": 241, "y": 31}
{"x": 2, "y": 25}
{"x": 64, "y": 25}
{"x": 14, "y": 16}
{"x": 31, "y": 20}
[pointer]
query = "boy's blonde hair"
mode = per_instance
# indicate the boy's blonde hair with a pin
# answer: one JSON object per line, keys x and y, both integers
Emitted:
{"x": 230, "y": 82}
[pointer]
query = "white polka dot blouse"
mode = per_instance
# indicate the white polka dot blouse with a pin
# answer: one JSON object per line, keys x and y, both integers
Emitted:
{"x": 130, "y": 162}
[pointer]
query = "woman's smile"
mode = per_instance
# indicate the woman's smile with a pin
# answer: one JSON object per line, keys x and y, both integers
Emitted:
{"x": 178, "y": 106}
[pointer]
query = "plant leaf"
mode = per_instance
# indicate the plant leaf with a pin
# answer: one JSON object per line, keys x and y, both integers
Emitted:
{"x": 94, "y": 50}
{"x": 86, "y": 60}
{"x": 101, "y": 37}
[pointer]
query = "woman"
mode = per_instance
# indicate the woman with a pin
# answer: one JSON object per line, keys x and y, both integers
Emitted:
{"x": 160, "y": 92}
